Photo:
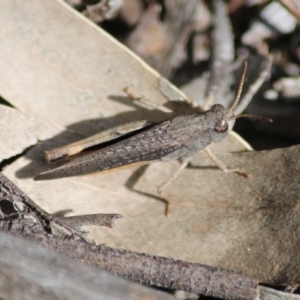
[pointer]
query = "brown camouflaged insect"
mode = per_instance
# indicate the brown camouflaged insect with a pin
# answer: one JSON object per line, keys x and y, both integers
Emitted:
{"x": 177, "y": 138}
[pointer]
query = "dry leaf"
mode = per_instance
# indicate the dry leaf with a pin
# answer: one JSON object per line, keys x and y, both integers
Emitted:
{"x": 18, "y": 132}
{"x": 61, "y": 69}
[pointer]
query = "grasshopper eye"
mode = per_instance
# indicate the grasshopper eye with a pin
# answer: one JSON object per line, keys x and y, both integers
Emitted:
{"x": 217, "y": 107}
{"x": 221, "y": 126}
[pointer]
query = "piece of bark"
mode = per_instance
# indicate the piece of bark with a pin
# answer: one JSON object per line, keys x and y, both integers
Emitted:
{"x": 29, "y": 271}
{"x": 154, "y": 270}
{"x": 23, "y": 215}
{"x": 25, "y": 267}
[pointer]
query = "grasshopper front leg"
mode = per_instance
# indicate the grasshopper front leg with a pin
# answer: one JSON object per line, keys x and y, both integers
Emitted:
{"x": 162, "y": 187}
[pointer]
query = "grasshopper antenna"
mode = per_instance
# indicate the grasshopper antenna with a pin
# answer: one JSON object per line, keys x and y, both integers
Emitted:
{"x": 240, "y": 88}
{"x": 254, "y": 117}
{"x": 238, "y": 96}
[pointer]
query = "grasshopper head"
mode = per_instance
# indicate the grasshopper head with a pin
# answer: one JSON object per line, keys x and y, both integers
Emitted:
{"x": 221, "y": 121}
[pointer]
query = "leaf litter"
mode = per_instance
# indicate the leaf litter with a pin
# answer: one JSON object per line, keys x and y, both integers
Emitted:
{"x": 217, "y": 219}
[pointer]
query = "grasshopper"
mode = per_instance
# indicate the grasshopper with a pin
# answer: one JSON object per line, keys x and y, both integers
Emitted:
{"x": 177, "y": 138}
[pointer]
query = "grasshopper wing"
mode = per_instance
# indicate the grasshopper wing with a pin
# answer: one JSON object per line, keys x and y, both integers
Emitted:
{"x": 97, "y": 139}
{"x": 145, "y": 147}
